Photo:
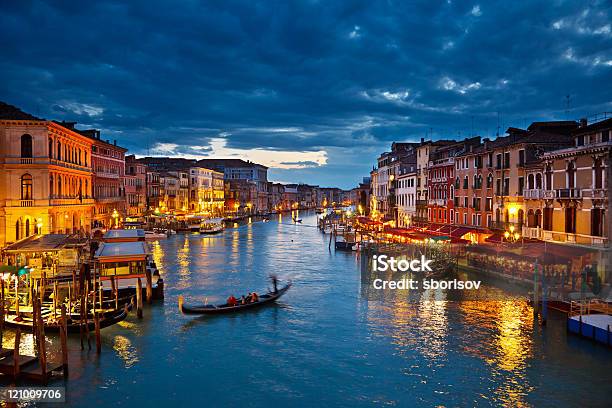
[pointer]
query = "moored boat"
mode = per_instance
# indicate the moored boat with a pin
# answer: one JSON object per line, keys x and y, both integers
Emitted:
{"x": 212, "y": 226}
{"x": 73, "y": 326}
{"x": 225, "y": 308}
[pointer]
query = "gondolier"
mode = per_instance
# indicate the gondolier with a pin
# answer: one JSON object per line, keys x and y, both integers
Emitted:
{"x": 229, "y": 308}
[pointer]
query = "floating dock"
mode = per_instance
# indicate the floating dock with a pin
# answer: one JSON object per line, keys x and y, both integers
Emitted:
{"x": 592, "y": 326}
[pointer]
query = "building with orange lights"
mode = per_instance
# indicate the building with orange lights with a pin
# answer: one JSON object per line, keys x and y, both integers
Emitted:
{"x": 45, "y": 177}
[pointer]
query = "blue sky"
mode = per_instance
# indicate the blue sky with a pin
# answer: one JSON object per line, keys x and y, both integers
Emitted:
{"x": 316, "y": 90}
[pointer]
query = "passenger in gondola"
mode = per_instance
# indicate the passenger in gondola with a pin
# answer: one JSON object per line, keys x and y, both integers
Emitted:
{"x": 254, "y": 297}
{"x": 248, "y": 297}
{"x": 231, "y": 301}
{"x": 243, "y": 300}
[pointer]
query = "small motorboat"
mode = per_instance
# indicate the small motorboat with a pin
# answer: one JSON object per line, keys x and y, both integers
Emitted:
{"x": 344, "y": 245}
{"x": 265, "y": 219}
{"x": 153, "y": 235}
{"x": 212, "y": 226}
{"x": 225, "y": 308}
{"x": 297, "y": 221}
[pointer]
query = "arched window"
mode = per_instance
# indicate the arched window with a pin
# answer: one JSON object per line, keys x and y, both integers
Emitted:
{"x": 59, "y": 186}
{"x": 571, "y": 171}
{"x": 549, "y": 177}
{"x": 521, "y": 215}
{"x": 490, "y": 181}
{"x": 538, "y": 218}
{"x": 457, "y": 183}
{"x": 51, "y": 185}
{"x": 530, "y": 183}
{"x": 27, "y": 228}
{"x": 50, "y": 148}
{"x": 530, "y": 218}
{"x": 17, "y": 232}
{"x": 26, "y": 146}
{"x": 59, "y": 150}
{"x": 26, "y": 187}
{"x": 538, "y": 181}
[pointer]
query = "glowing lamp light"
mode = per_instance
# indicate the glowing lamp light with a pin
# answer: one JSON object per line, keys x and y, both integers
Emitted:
{"x": 506, "y": 235}
{"x": 512, "y": 228}
{"x": 517, "y": 236}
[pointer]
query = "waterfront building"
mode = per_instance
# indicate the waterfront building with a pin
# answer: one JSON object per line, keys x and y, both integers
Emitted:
{"x": 275, "y": 195}
{"x": 361, "y": 196}
{"x": 491, "y": 179}
{"x": 206, "y": 191}
{"x": 441, "y": 175}
{"x": 406, "y": 196}
{"x": 153, "y": 189}
{"x": 237, "y": 169}
{"x": 135, "y": 186}
{"x": 45, "y": 177}
{"x": 576, "y": 191}
{"x": 388, "y": 168}
{"x": 330, "y": 196}
{"x": 240, "y": 195}
{"x": 307, "y": 195}
{"x": 423, "y": 151}
{"x": 108, "y": 163}
{"x": 290, "y": 197}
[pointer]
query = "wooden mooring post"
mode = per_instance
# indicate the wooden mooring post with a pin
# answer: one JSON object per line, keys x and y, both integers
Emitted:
{"x": 16, "y": 366}
{"x": 536, "y": 304}
{"x": 98, "y": 338}
{"x": 64, "y": 341}
{"x": 139, "y": 298}
{"x": 149, "y": 284}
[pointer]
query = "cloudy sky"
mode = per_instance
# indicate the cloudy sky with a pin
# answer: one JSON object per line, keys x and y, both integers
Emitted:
{"x": 315, "y": 90}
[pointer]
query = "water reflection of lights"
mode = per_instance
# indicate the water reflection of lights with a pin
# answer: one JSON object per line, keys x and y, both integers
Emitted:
{"x": 183, "y": 259}
{"x": 433, "y": 318}
{"x": 125, "y": 350}
{"x": 502, "y": 336}
{"x": 158, "y": 255}
{"x": 415, "y": 326}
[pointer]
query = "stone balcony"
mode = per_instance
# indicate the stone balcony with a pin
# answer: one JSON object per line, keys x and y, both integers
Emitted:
{"x": 533, "y": 194}
{"x": 105, "y": 174}
{"x": 568, "y": 193}
{"x": 441, "y": 202}
{"x": 578, "y": 239}
{"x": 50, "y": 202}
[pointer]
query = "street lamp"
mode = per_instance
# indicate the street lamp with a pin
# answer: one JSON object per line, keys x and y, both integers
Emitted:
{"x": 116, "y": 217}
{"x": 512, "y": 235}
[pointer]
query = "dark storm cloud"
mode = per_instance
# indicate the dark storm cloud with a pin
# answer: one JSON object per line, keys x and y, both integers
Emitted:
{"x": 346, "y": 78}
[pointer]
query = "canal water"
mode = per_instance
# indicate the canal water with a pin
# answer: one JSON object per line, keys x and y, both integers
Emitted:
{"x": 326, "y": 343}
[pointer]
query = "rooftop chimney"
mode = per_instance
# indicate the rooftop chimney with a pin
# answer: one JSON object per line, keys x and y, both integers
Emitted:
{"x": 583, "y": 122}
{"x": 422, "y": 140}
{"x": 115, "y": 142}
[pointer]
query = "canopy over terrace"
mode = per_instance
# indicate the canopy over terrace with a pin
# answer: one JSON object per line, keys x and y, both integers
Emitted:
{"x": 51, "y": 253}
{"x": 124, "y": 235}
{"x": 544, "y": 252}
{"x": 418, "y": 235}
{"x": 124, "y": 259}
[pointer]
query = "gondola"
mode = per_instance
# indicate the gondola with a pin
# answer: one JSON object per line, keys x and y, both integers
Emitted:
{"x": 297, "y": 220}
{"x": 224, "y": 308}
{"x": 73, "y": 326}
